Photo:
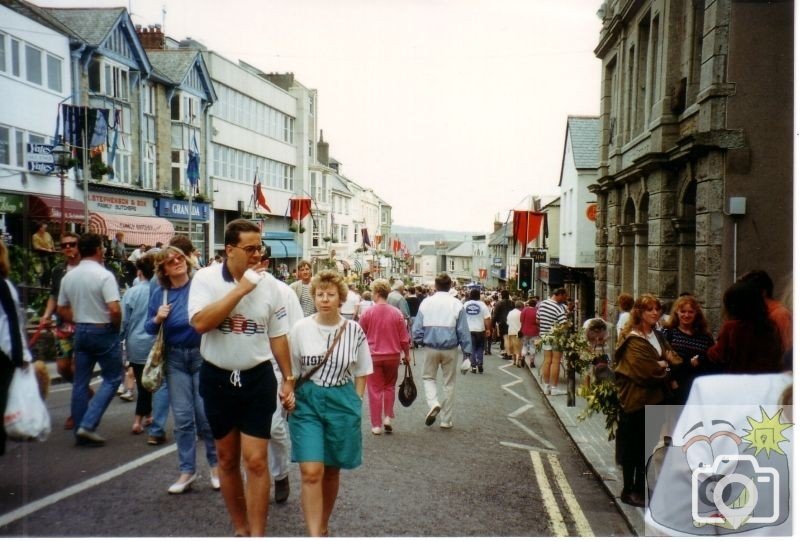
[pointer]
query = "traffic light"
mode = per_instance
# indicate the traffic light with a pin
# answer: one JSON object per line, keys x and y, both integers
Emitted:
{"x": 525, "y": 274}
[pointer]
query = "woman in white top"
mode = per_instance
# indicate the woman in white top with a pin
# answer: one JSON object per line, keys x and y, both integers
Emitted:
{"x": 330, "y": 357}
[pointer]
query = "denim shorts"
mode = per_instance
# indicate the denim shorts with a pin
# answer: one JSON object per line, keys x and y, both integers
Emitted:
{"x": 243, "y": 399}
{"x": 325, "y": 425}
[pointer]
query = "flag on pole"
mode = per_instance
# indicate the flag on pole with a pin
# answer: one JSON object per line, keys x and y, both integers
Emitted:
{"x": 299, "y": 208}
{"x": 193, "y": 164}
{"x": 258, "y": 195}
{"x": 527, "y": 225}
{"x": 365, "y": 237}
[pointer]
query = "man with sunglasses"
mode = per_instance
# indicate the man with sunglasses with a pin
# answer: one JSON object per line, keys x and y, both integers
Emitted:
{"x": 89, "y": 297}
{"x": 242, "y": 315}
{"x": 63, "y": 330}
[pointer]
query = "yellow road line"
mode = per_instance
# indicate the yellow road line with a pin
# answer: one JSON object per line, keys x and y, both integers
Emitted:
{"x": 557, "y": 525}
{"x": 581, "y": 524}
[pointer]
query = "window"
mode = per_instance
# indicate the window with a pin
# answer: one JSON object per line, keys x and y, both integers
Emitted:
{"x": 5, "y": 146}
{"x": 53, "y": 73}
{"x": 108, "y": 79}
{"x": 2, "y": 52}
{"x": 20, "y": 144}
{"x": 16, "y": 69}
{"x": 33, "y": 65}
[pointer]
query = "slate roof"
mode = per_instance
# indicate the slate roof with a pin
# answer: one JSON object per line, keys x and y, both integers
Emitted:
{"x": 38, "y": 14}
{"x": 91, "y": 25}
{"x": 173, "y": 64}
{"x": 500, "y": 237}
{"x": 462, "y": 249}
{"x": 584, "y": 132}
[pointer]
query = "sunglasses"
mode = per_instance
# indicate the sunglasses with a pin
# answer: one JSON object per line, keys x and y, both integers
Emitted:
{"x": 175, "y": 260}
{"x": 69, "y": 244}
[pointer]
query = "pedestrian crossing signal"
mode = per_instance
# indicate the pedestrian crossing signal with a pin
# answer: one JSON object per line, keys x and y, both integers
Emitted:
{"x": 525, "y": 274}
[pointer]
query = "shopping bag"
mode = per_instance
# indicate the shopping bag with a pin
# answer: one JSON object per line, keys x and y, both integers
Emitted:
{"x": 153, "y": 372}
{"x": 26, "y": 416}
{"x": 407, "y": 392}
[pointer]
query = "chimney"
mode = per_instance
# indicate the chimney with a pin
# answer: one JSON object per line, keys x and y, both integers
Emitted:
{"x": 152, "y": 38}
{"x": 497, "y": 225}
{"x": 322, "y": 151}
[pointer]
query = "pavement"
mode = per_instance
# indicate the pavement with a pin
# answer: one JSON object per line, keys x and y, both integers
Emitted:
{"x": 591, "y": 440}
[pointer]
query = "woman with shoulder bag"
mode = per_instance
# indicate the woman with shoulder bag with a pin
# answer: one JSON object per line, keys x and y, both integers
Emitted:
{"x": 330, "y": 357}
{"x": 182, "y": 346}
{"x": 642, "y": 375}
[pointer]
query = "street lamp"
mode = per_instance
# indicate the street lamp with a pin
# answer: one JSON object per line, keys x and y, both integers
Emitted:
{"x": 61, "y": 157}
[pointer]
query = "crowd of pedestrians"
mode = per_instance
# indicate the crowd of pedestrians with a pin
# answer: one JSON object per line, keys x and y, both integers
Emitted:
{"x": 262, "y": 374}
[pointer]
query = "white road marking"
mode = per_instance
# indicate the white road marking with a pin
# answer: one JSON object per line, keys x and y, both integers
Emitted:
{"x": 533, "y": 434}
{"x": 527, "y": 447}
{"x": 557, "y": 525}
{"x": 56, "y": 497}
{"x": 520, "y": 411}
{"x": 507, "y": 388}
{"x": 581, "y": 524}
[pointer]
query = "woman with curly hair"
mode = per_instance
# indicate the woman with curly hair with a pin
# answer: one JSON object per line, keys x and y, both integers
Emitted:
{"x": 687, "y": 332}
{"x": 331, "y": 359}
{"x": 643, "y": 358}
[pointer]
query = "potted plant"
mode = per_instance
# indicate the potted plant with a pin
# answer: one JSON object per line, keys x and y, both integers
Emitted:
{"x": 326, "y": 239}
{"x": 334, "y": 240}
{"x": 200, "y": 198}
{"x": 179, "y": 194}
{"x": 97, "y": 169}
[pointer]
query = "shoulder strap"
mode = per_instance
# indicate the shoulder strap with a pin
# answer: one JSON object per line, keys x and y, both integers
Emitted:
{"x": 313, "y": 371}
{"x": 164, "y": 298}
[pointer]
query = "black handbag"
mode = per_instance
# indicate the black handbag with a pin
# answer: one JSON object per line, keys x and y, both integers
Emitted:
{"x": 407, "y": 392}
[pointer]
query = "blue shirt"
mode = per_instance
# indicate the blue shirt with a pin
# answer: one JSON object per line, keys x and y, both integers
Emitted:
{"x": 177, "y": 330}
{"x": 138, "y": 342}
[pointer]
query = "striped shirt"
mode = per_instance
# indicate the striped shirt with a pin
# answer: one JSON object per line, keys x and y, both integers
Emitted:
{"x": 550, "y": 313}
{"x": 350, "y": 358}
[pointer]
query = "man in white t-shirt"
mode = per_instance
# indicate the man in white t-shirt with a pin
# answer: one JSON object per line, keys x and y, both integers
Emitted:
{"x": 348, "y": 309}
{"x": 241, "y": 313}
{"x": 479, "y": 320}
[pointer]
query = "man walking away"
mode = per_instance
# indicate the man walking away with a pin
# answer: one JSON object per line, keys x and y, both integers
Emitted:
{"x": 551, "y": 313}
{"x": 479, "y": 320}
{"x": 89, "y": 297}
{"x": 499, "y": 316}
{"x": 441, "y": 327}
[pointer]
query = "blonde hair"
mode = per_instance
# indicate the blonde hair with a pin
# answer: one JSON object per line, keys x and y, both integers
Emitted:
{"x": 330, "y": 278}
{"x": 642, "y": 304}
{"x": 162, "y": 257}
{"x": 699, "y": 325}
{"x": 380, "y": 287}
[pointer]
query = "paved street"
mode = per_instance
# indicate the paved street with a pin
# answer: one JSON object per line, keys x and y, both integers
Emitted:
{"x": 507, "y": 468}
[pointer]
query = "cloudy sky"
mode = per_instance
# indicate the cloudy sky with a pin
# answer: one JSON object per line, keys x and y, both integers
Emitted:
{"x": 452, "y": 110}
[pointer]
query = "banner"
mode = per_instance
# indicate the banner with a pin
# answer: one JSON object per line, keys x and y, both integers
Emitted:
{"x": 299, "y": 208}
{"x": 527, "y": 226}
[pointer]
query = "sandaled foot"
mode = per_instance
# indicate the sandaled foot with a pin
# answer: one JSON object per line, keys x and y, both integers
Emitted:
{"x": 137, "y": 428}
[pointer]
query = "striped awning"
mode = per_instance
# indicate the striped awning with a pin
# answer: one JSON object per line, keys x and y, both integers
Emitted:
{"x": 137, "y": 229}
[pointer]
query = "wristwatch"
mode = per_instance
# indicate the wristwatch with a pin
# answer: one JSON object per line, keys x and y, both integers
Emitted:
{"x": 290, "y": 378}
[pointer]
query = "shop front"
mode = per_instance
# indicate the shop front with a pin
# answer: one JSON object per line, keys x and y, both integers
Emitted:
{"x": 132, "y": 215}
{"x": 177, "y": 212}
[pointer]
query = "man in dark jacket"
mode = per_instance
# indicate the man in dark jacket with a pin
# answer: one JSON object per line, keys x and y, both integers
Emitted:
{"x": 499, "y": 315}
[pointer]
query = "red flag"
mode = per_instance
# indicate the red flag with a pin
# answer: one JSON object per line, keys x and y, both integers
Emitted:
{"x": 300, "y": 207}
{"x": 260, "y": 200}
{"x": 527, "y": 225}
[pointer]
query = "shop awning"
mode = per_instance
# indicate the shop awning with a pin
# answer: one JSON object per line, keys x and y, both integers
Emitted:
{"x": 138, "y": 229}
{"x": 283, "y": 248}
{"x": 48, "y": 207}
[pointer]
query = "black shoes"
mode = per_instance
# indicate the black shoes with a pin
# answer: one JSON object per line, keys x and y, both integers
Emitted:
{"x": 282, "y": 490}
{"x": 431, "y": 418}
{"x": 156, "y": 440}
{"x": 633, "y": 498}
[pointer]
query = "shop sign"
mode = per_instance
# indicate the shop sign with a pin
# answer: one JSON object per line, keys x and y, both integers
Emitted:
{"x": 120, "y": 203}
{"x": 177, "y": 209}
{"x": 40, "y": 159}
{"x": 11, "y": 204}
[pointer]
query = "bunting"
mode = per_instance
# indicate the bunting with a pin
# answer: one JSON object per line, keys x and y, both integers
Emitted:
{"x": 527, "y": 226}
{"x": 299, "y": 208}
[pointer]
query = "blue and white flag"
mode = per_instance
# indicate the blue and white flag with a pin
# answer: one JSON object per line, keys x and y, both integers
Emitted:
{"x": 193, "y": 165}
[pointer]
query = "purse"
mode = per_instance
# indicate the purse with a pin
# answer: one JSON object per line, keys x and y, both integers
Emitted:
{"x": 26, "y": 416}
{"x": 153, "y": 372}
{"x": 307, "y": 376}
{"x": 407, "y": 392}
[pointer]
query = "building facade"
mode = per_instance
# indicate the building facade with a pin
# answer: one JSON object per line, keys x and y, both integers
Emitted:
{"x": 696, "y": 142}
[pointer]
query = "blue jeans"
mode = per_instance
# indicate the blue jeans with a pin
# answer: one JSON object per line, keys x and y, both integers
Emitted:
{"x": 478, "y": 339}
{"x": 183, "y": 381}
{"x": 94, "y": 344}
{"x": 160, "y": 411}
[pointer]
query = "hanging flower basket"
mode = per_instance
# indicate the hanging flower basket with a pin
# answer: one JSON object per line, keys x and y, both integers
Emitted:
{"x": 334, "y": 240}
{"x": 326, "y": 239}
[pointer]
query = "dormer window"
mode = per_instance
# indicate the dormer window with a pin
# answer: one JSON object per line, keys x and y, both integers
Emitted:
{"x": 109, "y": 79}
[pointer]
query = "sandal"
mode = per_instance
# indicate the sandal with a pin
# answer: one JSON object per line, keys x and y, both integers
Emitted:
{"x": 147, "y": 421}
{"x": 136, "y": 428}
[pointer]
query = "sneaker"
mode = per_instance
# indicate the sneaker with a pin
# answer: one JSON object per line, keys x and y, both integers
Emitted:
{"x": 547, "y": 389}
{"x": 214, "y": 478}
{"x": 377, "y": 430}
{"x": 474, "y": 370}
{"x": 127, "y": 396}
{"x": 387, "y": 425}
{"x": 555, "y": 391}
{"x": 445, "y": 425}
{"x": 121, "y": 389}
{"x": 156, "y": 440}
{"x": 431, "y": 417}
{"x": 480, "y": 369}
{"x": 89, "y": 437}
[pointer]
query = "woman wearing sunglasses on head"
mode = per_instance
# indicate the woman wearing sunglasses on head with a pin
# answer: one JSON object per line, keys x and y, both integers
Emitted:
{"x": 183, "y": 365}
